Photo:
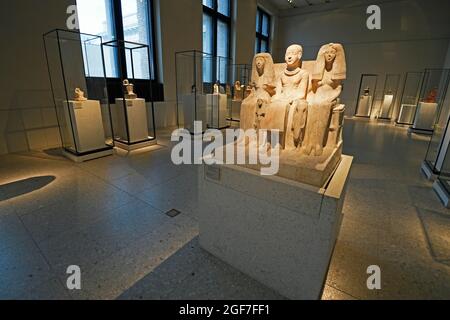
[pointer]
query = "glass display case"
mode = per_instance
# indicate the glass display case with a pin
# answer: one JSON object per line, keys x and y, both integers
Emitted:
{"x": 410, "y": 98}
{"x": 366, "y": 95}
{"x": 437, "y": 147}
{"x": 131, "y": 95}
{"x": 441, "y": 166}
{"x": 203, "y": 90}
{"x": 390, "y": 91}
{"x": 240, "y": 78}
{"x": 80, "y": 95}
{"x": 432, "y": 94}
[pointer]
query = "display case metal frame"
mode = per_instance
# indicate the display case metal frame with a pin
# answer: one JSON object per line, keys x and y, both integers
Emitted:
{"x": 199, "y": 87}
{"x": 75, "y": 153}
{"x": 121, "y": 47}
{"x": 359, "y": 95}
{"x": 439, "y": 142}
{"x": 395, "y": 95}
{"x": 402, "y": 97}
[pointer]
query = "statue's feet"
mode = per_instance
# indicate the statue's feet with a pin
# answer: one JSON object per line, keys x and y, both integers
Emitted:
{"x": 306, "y": 150}
{"x": 318, "y": 150}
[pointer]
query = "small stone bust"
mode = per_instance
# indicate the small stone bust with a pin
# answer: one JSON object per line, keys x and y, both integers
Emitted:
{"x": 129, "y": 89}
{"x": 79, "y": 95}
{"x": 216, "y": 88}
{"x": 432, "y": 96}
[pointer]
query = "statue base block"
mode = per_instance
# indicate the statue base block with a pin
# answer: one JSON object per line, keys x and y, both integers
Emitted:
{"x": 315, "y": 171}
{"x": 278, "y": 231}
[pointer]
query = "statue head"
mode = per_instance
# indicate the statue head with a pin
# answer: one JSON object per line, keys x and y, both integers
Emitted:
{"x": 294, "y": 55}
{"x": 263, "y": 67}
{"x": 332, "y": 57}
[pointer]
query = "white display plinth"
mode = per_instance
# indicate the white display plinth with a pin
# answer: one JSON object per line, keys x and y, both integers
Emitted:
{"x": 136, "y": 110}
{"x": 425, "y": 116}
{"x": 193, "y": 111}
{"x": 236, "y": 109}
{"x": 386, "y": 106}
{"x": 364, "y": 106}
{"x": 406, "y": 114}
{"x": 217, "y": 110}
{"x": 86, "y": 118}
{"x": 278, "y": 231}
{"x": 442, "y": 193}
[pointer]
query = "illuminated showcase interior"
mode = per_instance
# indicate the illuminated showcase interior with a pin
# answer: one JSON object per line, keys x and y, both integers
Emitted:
{"x": 354, "y": 121}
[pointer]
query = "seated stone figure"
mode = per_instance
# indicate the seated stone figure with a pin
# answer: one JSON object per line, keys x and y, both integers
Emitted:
{"x": 291, "y": 89}
{"x": 330, "y": 70}
{"x": 263, "y": 77}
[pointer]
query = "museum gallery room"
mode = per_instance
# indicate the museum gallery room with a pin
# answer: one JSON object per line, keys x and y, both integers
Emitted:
{"x": 225, "y": 150}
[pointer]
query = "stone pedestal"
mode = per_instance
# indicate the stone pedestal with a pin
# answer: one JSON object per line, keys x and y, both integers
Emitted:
{"x": 278, "y": 231}
{"x": 217, "y": 110}
{"x": 194, "y": 109}
{"x": 364, "y": 106}
{"x": 136, "y": 115}
{"x": 425, "y": 116}
{"x": 386, "y": 106}
{"x": 83, "y": 125}
{"x": 406, "y": 114}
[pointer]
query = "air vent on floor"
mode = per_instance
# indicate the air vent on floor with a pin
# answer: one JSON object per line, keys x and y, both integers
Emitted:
{"x": 173, "y": 213}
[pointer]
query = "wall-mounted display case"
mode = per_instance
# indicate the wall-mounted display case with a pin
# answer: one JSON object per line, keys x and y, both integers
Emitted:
{"x": 80, "y": 95}
{"x": 131, "y": 95}
{"x": 410, "y": 98}
{"x": 441, "y": 166}
{"x": 203, "y": 90}
{"x": 366, "y": 95}
{"x": 390, "y": 92}
{"x": 432, "y": 94}
{"x": 240, "y": 78}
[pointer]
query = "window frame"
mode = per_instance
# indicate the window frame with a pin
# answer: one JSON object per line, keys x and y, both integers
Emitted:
{"x": 120, "y": 57}
{"x": 216, "y": 16}
{"x": 260, "y": 37}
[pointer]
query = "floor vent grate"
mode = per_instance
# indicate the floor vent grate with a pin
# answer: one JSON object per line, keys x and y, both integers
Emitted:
{"x": 173, "y": 213}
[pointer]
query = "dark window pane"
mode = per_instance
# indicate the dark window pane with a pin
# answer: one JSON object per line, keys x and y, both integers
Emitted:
{"x": 265, "y": 25}
{"x": 136, "y": 27}
{"x": 207, "y": 34}
{"x": 223, "y": 6}
{"x": 96, "y": 17}
{"x": 256, "y": 45}
{"x": 209, "y": 3}
{"x": 258, "y": 21}
{"x": 264, "y": 46}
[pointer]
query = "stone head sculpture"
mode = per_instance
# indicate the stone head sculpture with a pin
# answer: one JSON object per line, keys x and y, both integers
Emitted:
{"x": 263, "y": 67}
{"x": 331, "y": 56}
{"x": 293, "y": 56}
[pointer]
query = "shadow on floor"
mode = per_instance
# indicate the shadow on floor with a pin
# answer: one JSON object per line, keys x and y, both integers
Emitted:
{"x": 193, "y": 274}
{"x": 21, "y": 187}
{"x": 436, "y": 226}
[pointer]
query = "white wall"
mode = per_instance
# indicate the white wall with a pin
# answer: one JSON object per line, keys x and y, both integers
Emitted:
{"x": 415, "y": 35}
{"x": 27, "y": 116}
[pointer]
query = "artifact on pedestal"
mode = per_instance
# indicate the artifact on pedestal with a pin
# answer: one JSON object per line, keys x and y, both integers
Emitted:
{"x": 307, "y": 113}
{"x": 79, "y": 95}
{"x": 263, "y": 79}
{"x": 129, "y": 89}
{"x": 432, "y": 96}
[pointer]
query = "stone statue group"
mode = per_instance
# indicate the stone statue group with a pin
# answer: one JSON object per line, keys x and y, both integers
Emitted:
{"x": 300, "y": 100}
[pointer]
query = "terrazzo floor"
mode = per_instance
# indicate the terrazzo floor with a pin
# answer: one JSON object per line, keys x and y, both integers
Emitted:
{"x": 107, "y": 216}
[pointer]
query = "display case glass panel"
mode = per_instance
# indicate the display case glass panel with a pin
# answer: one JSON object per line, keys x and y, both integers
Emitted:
{"x": 366, "y": 95}
{"x": 79, "y": 88}
{"x": 203, "y": 90}
{"x": 432, "y": 94}
{"x": 390, "y": 92}
{"x": 440, "y": 139}
{"x": 131, "y": 96}
{"x": 240, "y": 75}
{"x": 410, "y": 98}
